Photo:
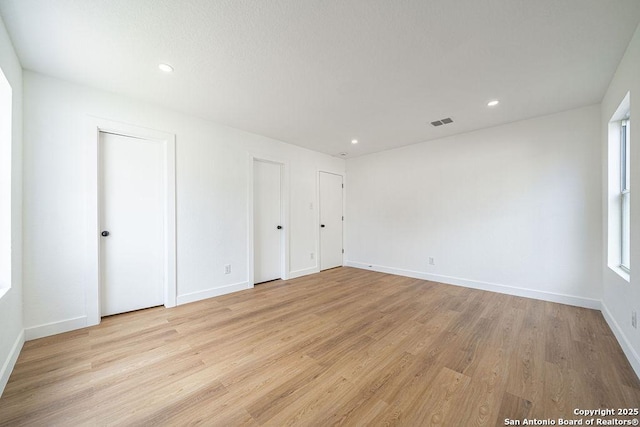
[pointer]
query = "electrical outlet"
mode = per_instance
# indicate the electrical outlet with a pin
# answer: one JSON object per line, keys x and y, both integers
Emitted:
{"x": 227, "y": 269}
{"x": 432, "y": 261}
{"x": 311, "y": 255}
{"x": 634, "y": 319}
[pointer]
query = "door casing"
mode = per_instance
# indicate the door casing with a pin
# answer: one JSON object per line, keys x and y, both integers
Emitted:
{"x": 94, "y": 128}
{"x": 284, "y": 200}
{"x": 280, "y": 233}
{"x": 319, "y": 238}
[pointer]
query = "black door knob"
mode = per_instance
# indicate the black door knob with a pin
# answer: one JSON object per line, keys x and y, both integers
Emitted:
{"x": 321, "y": 225}
{"x": 105, "y": 233}
{"x": 279, "y": 227}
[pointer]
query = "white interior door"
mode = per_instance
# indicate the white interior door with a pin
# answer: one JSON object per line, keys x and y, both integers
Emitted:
{"x": 330, "y": 220}
{"x": 267, "y": 221}
{"x": 132, "y": 213}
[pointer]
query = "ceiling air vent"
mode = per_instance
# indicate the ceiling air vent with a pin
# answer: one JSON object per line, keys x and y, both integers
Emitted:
{"x": 442, "y": 122}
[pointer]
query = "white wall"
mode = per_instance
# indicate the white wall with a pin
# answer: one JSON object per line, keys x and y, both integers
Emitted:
{"x": 514, "y": 208}
{"x": 11, "y": 335}
{"x": 620, "y": 297}
{"x": 212, "y": 164}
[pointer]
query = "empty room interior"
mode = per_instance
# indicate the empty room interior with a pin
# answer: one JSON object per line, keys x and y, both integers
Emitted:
{"x": 307, "y": 212}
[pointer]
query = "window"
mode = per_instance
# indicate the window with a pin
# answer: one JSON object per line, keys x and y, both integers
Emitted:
{"x": 5, "y": 184}
{"x": 625, "y": 195}
{"x": 619, "y": 191}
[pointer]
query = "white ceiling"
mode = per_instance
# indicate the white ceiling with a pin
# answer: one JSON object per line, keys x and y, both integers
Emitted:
{"x": 318, "y": 73}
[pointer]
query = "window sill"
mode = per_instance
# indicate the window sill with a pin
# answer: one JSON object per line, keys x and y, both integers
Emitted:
{"x": 622, "y": 273}
{"x": 3, "y": 291}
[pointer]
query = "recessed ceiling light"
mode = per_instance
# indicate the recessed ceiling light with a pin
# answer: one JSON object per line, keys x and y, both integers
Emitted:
{"x": 493, "y": 103}
{"x": 165, "y": 67}
{"x": 354, "y": 141}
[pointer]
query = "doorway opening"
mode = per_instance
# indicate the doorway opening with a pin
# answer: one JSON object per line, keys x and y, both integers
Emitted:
{"x": 331, "y": 220}
{"x": 164, "y": 190}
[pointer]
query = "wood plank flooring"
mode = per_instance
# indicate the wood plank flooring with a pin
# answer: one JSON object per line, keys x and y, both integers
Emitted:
{"x": 344, "y": 346}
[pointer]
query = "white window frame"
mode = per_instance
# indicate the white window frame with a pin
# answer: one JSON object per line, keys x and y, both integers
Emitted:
{"x": 617, "y": 194}
{"x": 625, "y": 196}
{"x": 6, "y": 117}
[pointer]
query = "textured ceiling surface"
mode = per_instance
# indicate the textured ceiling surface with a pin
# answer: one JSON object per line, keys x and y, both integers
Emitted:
{"x": 319, "y": 73}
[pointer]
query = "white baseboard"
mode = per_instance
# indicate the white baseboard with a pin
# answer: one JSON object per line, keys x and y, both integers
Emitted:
{"x": 213, "y": 292}
{"x": 303, "y": 272}
{"x": 485, "y": 286}
{"x": 54, "y": 328}
{"x": 627, "y": 348}
{"x": 12, "y": 358}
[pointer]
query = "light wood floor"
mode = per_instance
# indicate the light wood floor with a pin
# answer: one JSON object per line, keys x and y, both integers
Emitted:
{"x": 345, "y": 346}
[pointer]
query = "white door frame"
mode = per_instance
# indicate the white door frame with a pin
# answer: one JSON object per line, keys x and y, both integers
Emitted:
{"x": 284, "y": 208}
{"x": 93, "y": 278}
{"x": 319, "y": 260}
